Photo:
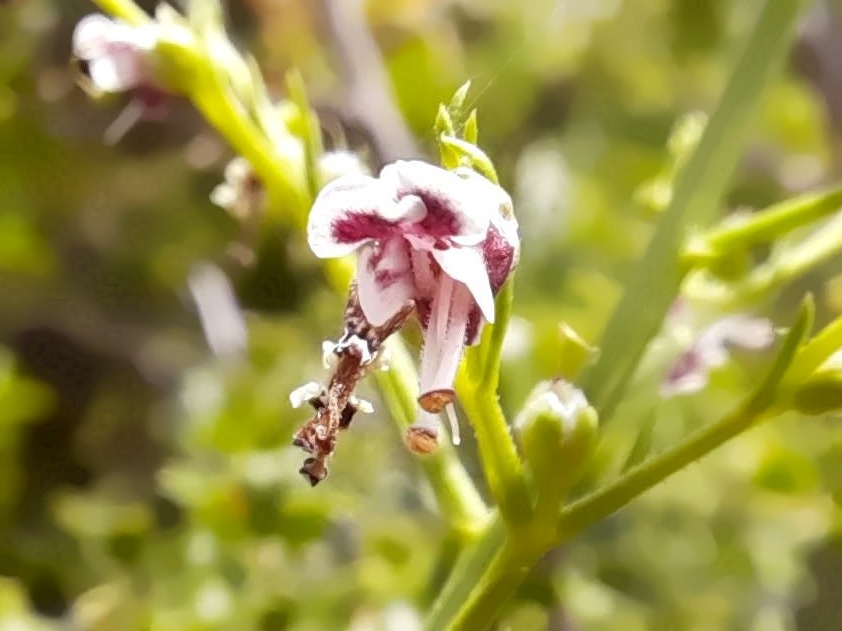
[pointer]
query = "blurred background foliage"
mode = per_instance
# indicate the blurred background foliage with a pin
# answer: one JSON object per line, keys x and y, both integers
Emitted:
{"x": 145, "y": 484}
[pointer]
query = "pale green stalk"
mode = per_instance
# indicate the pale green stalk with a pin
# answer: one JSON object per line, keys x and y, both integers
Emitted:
{"x": 789, "y": 261}
{"x": 763, "y": 226}
{"x": 477, "y": 387}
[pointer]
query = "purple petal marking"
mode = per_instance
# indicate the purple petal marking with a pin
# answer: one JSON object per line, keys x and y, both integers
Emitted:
{"x": 357, "y": 226}
{"x": 452, "y": 209}
{"x": 384, "y": 282}
{"x": 499, "y": 257}
{"x": 347, "y": 213}
{"x": 474, "y": 328}
{"x": 687, "y": 375}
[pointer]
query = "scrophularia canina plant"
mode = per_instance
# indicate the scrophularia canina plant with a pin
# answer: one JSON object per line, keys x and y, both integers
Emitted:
{"x": 437, "y": 245}
{"x": 432, "y": 243}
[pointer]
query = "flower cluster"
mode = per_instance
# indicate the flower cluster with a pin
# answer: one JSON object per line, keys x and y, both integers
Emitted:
{"x": 432, "y": 243}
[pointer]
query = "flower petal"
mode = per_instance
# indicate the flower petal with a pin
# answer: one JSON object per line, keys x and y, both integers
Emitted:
{"x": 92, "y": 36}
{"x": 384, "y": 282}
{"x": 350, "y": 211}
{"x": 116, "y": 72}
{"x": 468, "y": 267}
{"x": 444, "y": 337}
{"x": 452, "y": 211}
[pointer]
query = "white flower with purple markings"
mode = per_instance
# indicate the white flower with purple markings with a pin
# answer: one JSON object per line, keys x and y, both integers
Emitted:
{"x": 442, "y": 241}
{"x": 115, "y": 54}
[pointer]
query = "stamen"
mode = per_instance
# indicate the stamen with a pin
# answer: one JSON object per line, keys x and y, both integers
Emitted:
{"x": 434, "y": 401}
{"x": 455, "y": 436}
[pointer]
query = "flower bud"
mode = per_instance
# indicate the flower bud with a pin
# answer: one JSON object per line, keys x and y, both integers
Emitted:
{"x": 557, "y": 430}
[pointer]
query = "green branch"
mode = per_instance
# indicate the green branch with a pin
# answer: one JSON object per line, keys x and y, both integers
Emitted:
{"x": 637, "y": 480}
{"x": 699, "y": 190}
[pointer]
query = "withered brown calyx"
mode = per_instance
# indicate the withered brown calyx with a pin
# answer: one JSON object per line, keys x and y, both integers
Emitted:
{"x": 336, "y": 406}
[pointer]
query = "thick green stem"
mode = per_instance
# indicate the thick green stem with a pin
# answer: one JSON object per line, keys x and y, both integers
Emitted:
{"x": 498, "y": 455}
{"x": 699, "y": 190}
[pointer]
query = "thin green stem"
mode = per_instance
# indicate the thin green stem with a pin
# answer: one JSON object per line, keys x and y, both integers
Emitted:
{"x": 460, "y": 503}
{"x": 699, "y": 189}
{"x": 764, "y": 226}
{"x": 639, "y": 479}
{"x": 493, "y": 347}
{"x": 592, "y": 508}
{"x": 125, "y": 10}
{"x": 787, "y": 263}
{"x": 477, "y": 387}
{"x": 466, "y": 576}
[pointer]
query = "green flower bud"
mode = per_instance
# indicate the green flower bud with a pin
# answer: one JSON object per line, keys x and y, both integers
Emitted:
{"x": 821, "y": 392}
{"x": 557, "y": 430}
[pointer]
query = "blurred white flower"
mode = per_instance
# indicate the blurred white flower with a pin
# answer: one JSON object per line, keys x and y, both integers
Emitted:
{"x": 115, "y": 53}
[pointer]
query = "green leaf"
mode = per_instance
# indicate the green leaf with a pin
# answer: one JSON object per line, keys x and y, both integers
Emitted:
{"x": 470, "y": 130}
{"x": 458, "y": 101}
{"x": 642, "y": 444}
{"x": 472, "y": 155}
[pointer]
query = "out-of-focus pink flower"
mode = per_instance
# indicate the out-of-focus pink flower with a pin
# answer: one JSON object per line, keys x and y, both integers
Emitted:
{"x": 442, "y": 241}
{"x": 116, "y": 58}
{"x": 115, "y": 53}
{"x": 711, "y": 349}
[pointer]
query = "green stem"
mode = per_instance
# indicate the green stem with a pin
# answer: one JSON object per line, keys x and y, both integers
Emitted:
{"x": 461, "y": 505}
{"x": 585, "y": 512}
{"x": 699, "y": 189}
{"x": 814, "y": 353}
{"x": 125, "y": 10}
{"x": 786, "y": 264}
{"x": 503, "y": 575}
{"x": 498, "y": 455}
{"x": 493, "y": 347}
{"x": 764, "y": 226}
{"x": 466, "y": 575}
{"x": 639, "y": 479}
